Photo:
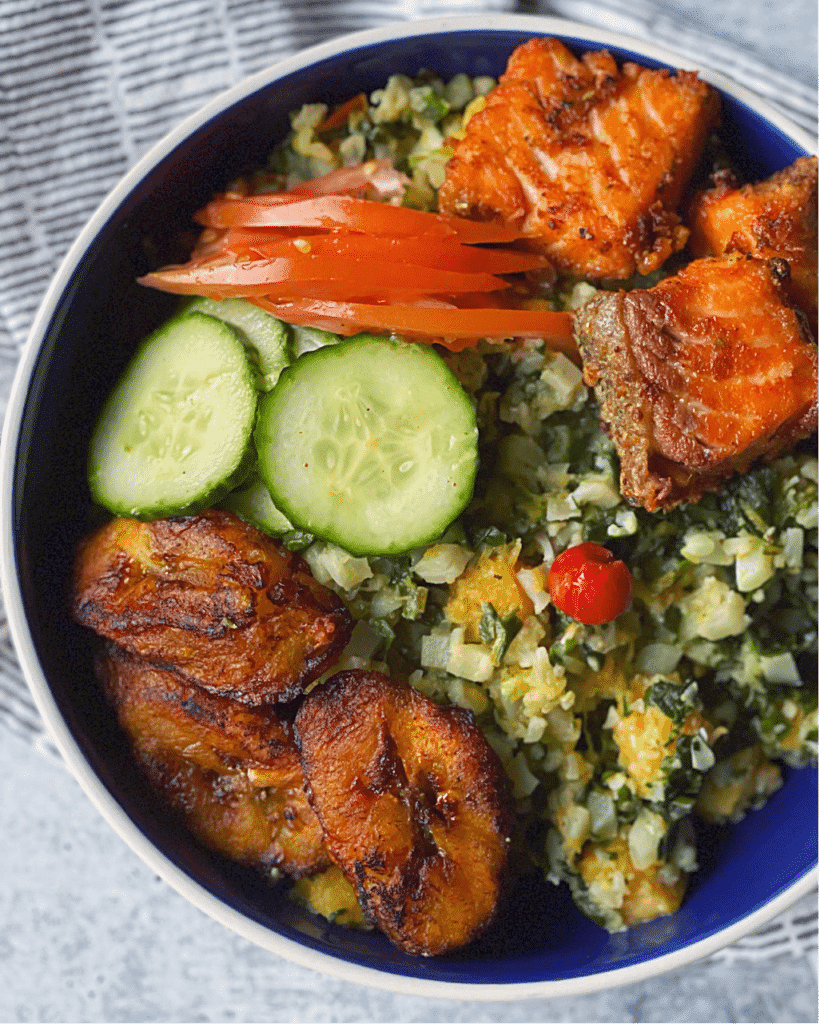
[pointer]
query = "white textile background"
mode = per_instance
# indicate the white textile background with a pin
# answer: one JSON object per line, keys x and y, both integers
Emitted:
{"x": 87, "y": 86}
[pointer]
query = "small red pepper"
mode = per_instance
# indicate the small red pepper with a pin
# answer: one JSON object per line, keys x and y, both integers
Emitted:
{"x": 587, "y": 583}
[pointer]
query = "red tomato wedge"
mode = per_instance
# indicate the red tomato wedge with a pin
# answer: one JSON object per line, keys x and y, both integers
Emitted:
{"x": 334, "y": 212}
{"x": 434, "y": 322}
{"x": 333, "y": 277}
{"x": 441, "y": 253}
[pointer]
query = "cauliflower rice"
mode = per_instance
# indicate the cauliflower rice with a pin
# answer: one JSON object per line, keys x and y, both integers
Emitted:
{"x": 617, "y": 738}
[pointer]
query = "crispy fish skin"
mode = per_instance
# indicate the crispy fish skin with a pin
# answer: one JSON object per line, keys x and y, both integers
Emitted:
{"x": 214, "y": 599}
{"x": 698, "y": 377}
{"x": 776, "y": 217}
{"x": 588, "y": 160}
{"x": 414, "y": 807}
{"x": 232, "y": 772}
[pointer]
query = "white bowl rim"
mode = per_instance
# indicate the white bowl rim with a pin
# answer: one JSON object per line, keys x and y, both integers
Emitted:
{"x": 99, "y": 795}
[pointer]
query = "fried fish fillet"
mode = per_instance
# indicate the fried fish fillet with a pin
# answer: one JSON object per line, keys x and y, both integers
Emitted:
{"x": 699, "y": 376}
{"x": 588, "y": 160}
{"x": 231, "y": 771}
{"x": 414, "y": 807}
{"x": 214, "y": 599}
{"x": 772, "y": 218}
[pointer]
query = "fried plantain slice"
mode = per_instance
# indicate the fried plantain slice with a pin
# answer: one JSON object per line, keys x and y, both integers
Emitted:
{"x": 232, "y": 772}
{"x": 213, "y": 598}
{"x": 414, "y": 805}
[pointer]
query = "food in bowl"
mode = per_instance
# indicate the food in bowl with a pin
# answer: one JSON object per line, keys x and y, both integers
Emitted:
{"x": 673, "y": 687}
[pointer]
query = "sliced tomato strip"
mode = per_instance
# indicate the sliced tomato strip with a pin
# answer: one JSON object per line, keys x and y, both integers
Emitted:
{"x": 339, "y": 115}
{"x": 213, "y": 241}
{"x": 442, "y": 253}
{"x": 377, "y": 176}
{"x": 333, "y": 212}
{"x": 332, "y": 276}
{"x": 438, "y": 322}
{"x": 317, "y": 256}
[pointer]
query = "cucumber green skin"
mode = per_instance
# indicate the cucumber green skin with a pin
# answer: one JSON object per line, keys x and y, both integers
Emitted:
{"x": 308, "y": 339}
{"x": 266, "y": 338}
{"x": 153, "y": 500}
{"x": 379, "y": 518}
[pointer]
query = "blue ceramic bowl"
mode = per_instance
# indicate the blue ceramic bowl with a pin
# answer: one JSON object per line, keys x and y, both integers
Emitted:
{"x": 88, "y": 324}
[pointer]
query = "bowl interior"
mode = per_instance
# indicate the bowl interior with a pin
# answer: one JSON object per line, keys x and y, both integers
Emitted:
{"x": 96, "y": 322}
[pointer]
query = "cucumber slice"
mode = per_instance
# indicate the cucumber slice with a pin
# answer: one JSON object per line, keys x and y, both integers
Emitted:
{"x": 175, "y": 433}
{"x": 371, "y": 444}
{"x": 308, "y": 339}
{"x": 253, "y": 503}
{"x": 263, "y": 334}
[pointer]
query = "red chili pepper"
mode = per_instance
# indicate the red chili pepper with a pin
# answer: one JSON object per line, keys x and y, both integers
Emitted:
{"x": 586, "y": 582}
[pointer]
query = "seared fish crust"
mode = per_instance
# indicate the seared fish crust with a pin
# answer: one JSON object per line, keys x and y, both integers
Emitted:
{"x": 699, "y": 377}
{"x": 214, "y": 599}
{"x": 414, "y": 805}
{"x": 773, "y": 218}
{"x": 590, "y": 162}
{"x": 232, "y": 772}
